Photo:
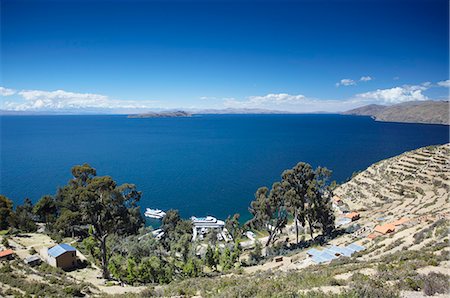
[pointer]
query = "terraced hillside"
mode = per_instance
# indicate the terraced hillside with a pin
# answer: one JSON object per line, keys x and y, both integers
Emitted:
{"x": 413, "y": 183}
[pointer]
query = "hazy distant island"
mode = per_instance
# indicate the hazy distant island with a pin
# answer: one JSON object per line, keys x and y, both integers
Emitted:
{"x": 429, "y": 112}
{"x": 190, "y": 113}
{"x": 168, "y": 114}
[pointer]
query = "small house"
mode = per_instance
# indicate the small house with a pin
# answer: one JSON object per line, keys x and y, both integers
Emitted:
{"x": 33, "y": 260}
{"x": 400, "y": 222}
{"x": 62, "y": 256}
{"x": 352, "y": 215}
{"x": 385, "y": 229}
{"x": 6, "y": 254}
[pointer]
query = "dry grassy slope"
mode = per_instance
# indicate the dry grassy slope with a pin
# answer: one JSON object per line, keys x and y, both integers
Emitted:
{"x": 413, "y": 183}
{"x": 436, "y": 112}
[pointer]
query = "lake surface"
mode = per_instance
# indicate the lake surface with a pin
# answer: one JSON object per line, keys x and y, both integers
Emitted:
{"x": 203, "y": 165}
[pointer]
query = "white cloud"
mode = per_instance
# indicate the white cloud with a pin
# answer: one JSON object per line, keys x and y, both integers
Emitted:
{"x": 289, "y": 103}
{"x": 60, "y": 100}
{"x": 346, "y": 82}
{"x": 64, "y": 101}
{"x": 396, "y": 94}
{"x": 301, "y": 103}
{"x": 445, "y": 83}
{"x": 6, "y": 92}
{"x": 265, "y": 101}
{"x": 366, "y": 78}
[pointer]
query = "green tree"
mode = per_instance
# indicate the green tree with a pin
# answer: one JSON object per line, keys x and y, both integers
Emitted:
{"x": 6, "y": 210}
{"x": 151, "y": 270}
{"x": 296, "y": 182}
{"x": 319, "y": 210}
{"x": 233, "y": 227}
{"x": 226, "y": 262}
{"x": 170, "y": 221}
{"x": 256, "y": 253}
{"x": 22, "y": 218}
{"x": 46, "y": 209}
{"x": 269, "y": 211}
{"x": 210, "y": 259}
{"x": 236, "y": 253}
{"x": 132, "y": 271}
{"x": 99, "y": 202}
{"x": 192, "y": 267}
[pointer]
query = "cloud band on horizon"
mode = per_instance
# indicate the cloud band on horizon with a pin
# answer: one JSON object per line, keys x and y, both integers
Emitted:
{"x": 60, "y": 100}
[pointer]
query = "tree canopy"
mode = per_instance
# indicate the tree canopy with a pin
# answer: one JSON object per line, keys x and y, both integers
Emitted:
{"x": 98, "y": 201}
{"x": 303, "y": 193}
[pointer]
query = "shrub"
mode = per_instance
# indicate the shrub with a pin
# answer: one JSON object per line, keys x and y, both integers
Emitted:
{"x": 434, "y": 283}
{"x": 373, "y": 289}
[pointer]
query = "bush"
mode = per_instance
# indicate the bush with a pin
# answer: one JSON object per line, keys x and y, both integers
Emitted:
{"x": 434, "y": 283}
{"x": 373, "y": 289}
{"x": 5, "y": 242}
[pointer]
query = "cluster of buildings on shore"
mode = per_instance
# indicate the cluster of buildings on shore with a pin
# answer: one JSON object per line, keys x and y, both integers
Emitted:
{"x": 371, "y": 233}
{"x": 200, "y": 226}
{"x": 62, "y": 256}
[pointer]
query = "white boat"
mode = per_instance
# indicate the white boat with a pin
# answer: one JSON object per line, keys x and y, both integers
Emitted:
{"x": 154, "y": 213}
{"x": 207, "y": 222}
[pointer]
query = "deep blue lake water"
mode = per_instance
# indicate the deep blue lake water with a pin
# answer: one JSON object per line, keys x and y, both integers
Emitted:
{"x": 209, "y": 164}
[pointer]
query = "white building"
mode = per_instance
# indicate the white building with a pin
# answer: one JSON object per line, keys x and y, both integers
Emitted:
{"x": 202, "y": 225}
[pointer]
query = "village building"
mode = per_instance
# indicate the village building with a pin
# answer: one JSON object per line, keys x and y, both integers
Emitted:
{"x": 385, "y": 229}
{"x": 33, "y": 260}
{"x": 6, "y": 254}
{"x": 400, "y": 222}
{"x": 352, "y": 215}
{"x": 62, "y": 256}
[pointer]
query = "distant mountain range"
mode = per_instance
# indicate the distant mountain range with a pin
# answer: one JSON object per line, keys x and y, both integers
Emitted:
{"x": 239, "y": 111}
{"x": 430, "y": 112}
{"x": 139, "y": 113}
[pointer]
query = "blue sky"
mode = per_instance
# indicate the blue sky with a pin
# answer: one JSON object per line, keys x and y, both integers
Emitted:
{"x": 287, "y": 55}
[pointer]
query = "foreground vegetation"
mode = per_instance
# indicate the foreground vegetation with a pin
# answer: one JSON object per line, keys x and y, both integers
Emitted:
{"x": 106, "y": 220}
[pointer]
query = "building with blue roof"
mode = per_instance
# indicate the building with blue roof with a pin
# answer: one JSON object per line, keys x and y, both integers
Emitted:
{"x": 355, "y": 247}
{"x": 342, "y": 251}
{"x": 313, "y": 252}
{"x": 333, "y": 252}
{"x": 62, "y": 256}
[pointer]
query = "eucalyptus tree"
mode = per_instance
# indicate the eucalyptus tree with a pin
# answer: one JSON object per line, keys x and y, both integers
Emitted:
{"x": 233, "y": 227}
{"x": 46, "y": 209}
{"x": 6, "y": 211}
{"x": 23, "y": 218}
{"x": 102, "y": 204}
{"x": 269, "y": 210}
{"x": 295, "y": 183}
{"x": 318, "y": 199}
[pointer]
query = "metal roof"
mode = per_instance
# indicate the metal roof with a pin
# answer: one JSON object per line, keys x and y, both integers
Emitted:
{"x": 341, "y": 250}
{"x": 323, "y": 257}
{"x": 318, "y": 259}
{"x": 355, "y": 247}
{"x": 59, "y": 249}
{"x": 329, "y": 254}
{"x": 32, "y": 258}
{"x": 313, "y": 252}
